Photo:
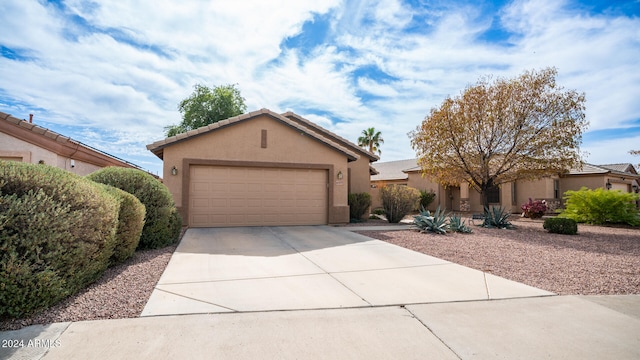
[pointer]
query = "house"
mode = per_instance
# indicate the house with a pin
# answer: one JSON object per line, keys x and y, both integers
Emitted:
{"x": 511, "y": 195}
{"x": 21, "y": 140}
{"x": 262, "y": 168}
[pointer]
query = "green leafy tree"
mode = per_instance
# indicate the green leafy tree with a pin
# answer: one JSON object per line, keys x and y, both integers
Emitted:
{"x": 500, "y": 131}
{"x": 371, "y": 139}
{"x": 206, "y": 106}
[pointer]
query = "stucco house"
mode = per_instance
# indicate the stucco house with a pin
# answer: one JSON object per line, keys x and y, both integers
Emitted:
{"x": 263, "y": 168}
{"x": 622, "y": 177}
{"x": 22, "y": 140}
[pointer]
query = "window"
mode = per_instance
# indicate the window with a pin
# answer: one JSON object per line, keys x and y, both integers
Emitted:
{"x": 556, "y": 189}
{"x": 493, "y": 195}
{"x": 514, "y": 194}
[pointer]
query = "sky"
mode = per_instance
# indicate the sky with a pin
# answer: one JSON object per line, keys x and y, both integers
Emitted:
{"x": 111, "y": 73}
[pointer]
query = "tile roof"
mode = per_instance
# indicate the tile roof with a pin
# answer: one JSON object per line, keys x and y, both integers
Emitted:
{"x": 394, "y": 170}
{"x": 66, "y": 142}
{"x": 618, "y": 169}
{"x": 158, "y": 147}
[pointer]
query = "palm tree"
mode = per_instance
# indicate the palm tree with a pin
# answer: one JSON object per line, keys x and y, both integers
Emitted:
{"x": 371, "y": 139}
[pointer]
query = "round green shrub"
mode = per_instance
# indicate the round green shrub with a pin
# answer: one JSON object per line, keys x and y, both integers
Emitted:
{"x": 162, "y": 222}
{"x": 130, "y": 224}
{"x": 57, "y": 233}
{"x": 359, "y": 203}
{"x": 561, "y": 226}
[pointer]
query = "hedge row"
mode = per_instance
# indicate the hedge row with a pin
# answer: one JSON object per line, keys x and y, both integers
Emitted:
{"x": 60, "y": 231}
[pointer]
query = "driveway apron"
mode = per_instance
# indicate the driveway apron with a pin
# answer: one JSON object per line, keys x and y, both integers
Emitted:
{"x": 245, "y": 269}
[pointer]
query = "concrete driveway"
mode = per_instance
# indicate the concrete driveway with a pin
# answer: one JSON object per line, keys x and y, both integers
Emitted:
{"x": 217, "y": 270}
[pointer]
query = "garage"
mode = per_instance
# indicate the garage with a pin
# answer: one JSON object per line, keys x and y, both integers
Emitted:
{"x": 254, "y": 196}
{"x": 262, "y": 169}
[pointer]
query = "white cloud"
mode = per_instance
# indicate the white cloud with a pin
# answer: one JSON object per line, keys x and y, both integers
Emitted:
{"x": 124, "y": 75}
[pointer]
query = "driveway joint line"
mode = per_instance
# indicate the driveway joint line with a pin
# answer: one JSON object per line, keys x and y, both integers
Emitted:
{"x": 241, "y": 279}
{"x": 198, "y": 300}
{"x": 320, "y": 267}
{"x": 432, "y": 332}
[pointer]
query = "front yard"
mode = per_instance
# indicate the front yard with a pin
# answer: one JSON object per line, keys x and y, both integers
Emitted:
{"x": 599, "y": 260}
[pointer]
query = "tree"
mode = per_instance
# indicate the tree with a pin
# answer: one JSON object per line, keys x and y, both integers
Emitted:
{"x": 635, "y": 152}
{"x": 207, "y": 106}
{"x": 500, "y": 131}
{"x": 371, "y": 139}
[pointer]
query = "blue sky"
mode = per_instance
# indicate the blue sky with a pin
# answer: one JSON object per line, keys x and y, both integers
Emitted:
{"x": 111, "y": 73}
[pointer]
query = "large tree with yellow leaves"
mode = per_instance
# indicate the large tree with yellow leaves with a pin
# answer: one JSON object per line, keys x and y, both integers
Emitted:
{"x": 502, "y": 130}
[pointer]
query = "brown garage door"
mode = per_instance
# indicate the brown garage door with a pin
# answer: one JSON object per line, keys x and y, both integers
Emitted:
{"x": 246, "y": 196}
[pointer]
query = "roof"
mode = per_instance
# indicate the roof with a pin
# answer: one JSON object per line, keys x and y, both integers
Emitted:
{"x": 615, "y": 169}
{"x": 158, "y": 147}
{"x": 58, "y": 143}
{"x": 342, "y": 141}
{"x": 394, "y": 170}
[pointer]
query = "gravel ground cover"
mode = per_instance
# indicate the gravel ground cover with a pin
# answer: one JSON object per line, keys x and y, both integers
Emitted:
{"x": 122, "y": 292}
{"x": 597, "y": 261}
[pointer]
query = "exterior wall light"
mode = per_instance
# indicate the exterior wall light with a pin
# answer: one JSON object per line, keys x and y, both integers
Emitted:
{"x": 174, "y": 171}
{"x": 340, "y": 176}
{"x": 608, "y": 185}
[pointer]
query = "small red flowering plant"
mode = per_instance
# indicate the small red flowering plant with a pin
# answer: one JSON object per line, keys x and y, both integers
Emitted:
{"x": 534, "y": 209}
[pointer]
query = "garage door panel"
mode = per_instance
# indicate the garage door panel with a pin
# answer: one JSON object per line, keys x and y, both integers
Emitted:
{"x": 236, "y": 196}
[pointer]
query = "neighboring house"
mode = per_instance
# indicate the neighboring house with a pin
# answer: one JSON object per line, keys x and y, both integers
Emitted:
{"x": 21, "y": 140}
{"x": 263, "y": 168}
{"x": 511, "y": 195}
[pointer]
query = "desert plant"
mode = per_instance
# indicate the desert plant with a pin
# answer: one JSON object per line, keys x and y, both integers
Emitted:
{"x": 428, "y": 222}
{"x": 378, "y": 211}
{"x": 398, "y": 201}
{"x": 534, "y": 209}
{"x": 359, "y": 203}
{"x": 457, "y": 224}
{"x": 426, "y": 198}
{"x": 57, "y": 234}
{"x": 561, "y": 226}
{"x": 497, "y": 217}
{"x": 601, "y": 207}
{"x": 162, "y": 222}
{"x": 130, "y": 224}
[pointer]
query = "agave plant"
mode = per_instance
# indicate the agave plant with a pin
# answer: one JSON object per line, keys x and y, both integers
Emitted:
{"x": 435, "y": 223}
{"x": 497, "y": 217}
{"x": 456, "y": 224}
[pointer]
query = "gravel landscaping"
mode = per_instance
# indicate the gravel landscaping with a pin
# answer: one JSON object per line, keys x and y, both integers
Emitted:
{"x": 122, "y": 292}
{"x": 599, "y": 260}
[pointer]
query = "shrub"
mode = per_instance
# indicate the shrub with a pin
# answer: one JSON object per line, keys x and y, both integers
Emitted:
{"x": 426, "y": 198}
{"x": 379, "y": 211}
{"x": 534, "y": 209}
{"x": 497, "y": 217}
{"x": 435, "y": 223}
{"x": 456, "y": 224}
{"x": 359, "y": 203}
{"x": 600, "y": 207}
{"x": 561, "y": 226}
{"x": 57, "y": 233}
{"x": 162, "y": 222}
{"x": 398, "y": 201}
{"x": 130, "y": 224}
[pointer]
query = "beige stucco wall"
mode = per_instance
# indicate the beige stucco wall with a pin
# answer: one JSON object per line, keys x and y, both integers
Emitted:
{"x": 360, "y": 180}
{"x": 10, "y": 147}
{"x": 242, "y": 141}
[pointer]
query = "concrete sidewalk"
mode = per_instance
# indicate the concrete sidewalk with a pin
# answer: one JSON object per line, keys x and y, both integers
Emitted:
{"x": 558, "y": 327}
